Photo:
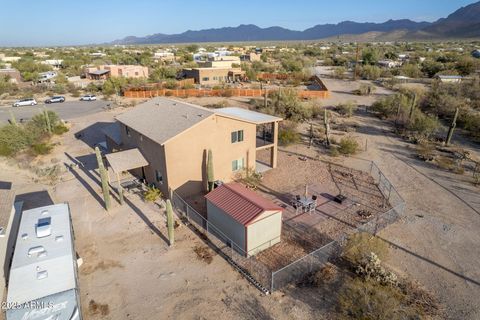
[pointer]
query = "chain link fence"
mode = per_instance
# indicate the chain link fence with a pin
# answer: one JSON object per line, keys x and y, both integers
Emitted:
{"x": 270, "y": 280}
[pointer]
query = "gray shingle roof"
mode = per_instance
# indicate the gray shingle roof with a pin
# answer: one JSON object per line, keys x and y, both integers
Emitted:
{"x": 161, "y": 119}
{"x": 113, "y": 132}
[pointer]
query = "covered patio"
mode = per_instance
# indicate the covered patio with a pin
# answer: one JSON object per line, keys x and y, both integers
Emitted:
{"x": 125, "y": 161}
{"x": 266, "y": 134}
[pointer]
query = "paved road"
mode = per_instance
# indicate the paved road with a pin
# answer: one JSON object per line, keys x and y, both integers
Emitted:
{"x": 66, "y": 110}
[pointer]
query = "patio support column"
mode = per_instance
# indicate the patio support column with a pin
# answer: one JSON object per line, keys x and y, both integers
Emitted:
{"x": 120, "y": 190}
{"x": 274, "y": 150}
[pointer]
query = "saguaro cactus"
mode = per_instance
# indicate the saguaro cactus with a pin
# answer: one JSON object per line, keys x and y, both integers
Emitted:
{"x": 170, "y": 223}
{"x": 327, "y": 126}
{"x": 48, "y": 125}
{"x": 104, "y": 178}
{"x": 210, "y": 175}
{"x": 452, "y": 127}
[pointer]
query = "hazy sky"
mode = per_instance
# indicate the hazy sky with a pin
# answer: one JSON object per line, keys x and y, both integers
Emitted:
{"x": 70, "y": 22}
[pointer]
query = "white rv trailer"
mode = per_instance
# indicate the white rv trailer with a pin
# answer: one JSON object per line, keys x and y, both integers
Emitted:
{"x": 43, "y": 281}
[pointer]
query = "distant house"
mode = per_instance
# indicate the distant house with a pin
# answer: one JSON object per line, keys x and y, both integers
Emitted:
{"x": 44, "y": 267}
{"x": 103, "y": 72}
{"x": 389, "y": 64}
{"x": 46, "y": 77}
{"x": 13, "y": 74}
{"x": 164, "y": 56}
{"x": 10, "y": 213}
{"x": 220, "y": 62}
{"x": 214, "y": 76}
{"x": 251, "y": 57}
{"x": 55, "y": 63}
{"x": 449, "y": 78}
{"x": 174, "y": 138}
{"x": 251, "y": 222}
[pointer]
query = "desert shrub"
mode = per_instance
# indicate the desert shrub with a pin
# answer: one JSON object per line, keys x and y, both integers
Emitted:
{"x": 333, "y": 151}
{"x": 423, "y": 126}
{"x": 365, "y": 90}
{"x": 168, "y": 93}
{"x": 15, "y": 138}
{"x": 288, "y": 134}
{"x": 170, "y": 84}
{"x": 359, "y": 299}
{"x": 348, "y": 146}
{"x": 370, "y": 267}
{"x": 370, "y": 72}
{"x": 346, "y": 109}
{"x": 41, "y": 148}
{"x": 39, "y": 121}
{"x": 59, "y": 129}
{"x": 227, "y": 93}
{"x": 152, "y": 194}
{"x": 360, "y": 245}
{"x": 203, "y": 253}
{"x": 426, "y": 151}
{"x": 339, "y": 72}
{"x": 285, "y": 103}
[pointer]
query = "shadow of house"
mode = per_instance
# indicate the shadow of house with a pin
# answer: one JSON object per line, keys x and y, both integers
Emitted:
{"x": 5, "y": 185}
{"x": 34, "y": 199}
{"x": 93, "y": 134}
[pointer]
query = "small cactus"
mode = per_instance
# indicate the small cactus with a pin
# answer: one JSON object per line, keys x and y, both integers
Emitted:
{"x": 170, "y": 223}
{"x": 210, "y": 175}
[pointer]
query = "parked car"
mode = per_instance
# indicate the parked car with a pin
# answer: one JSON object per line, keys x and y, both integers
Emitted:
{"x": 56, "y": 99}
{"x": 88, "y": 97}
{"x": 25, "y": 102}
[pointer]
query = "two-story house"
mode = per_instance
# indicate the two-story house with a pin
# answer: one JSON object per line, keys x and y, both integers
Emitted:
{"x": 174, "y": 138}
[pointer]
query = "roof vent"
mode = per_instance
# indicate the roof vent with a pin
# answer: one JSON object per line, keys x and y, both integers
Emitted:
{"x": 25, "y": 236}
{"x": 2, "y": 232}
{"x": 42, "y": 275}
{"x": 44, "y": 212}
{"x": 43, "y": 228}
{"x": 38, "y": 250}
{"x": 59, "y": 238}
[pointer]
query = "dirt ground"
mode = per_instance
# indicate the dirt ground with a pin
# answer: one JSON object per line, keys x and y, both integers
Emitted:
{"x": 130, "y": 272}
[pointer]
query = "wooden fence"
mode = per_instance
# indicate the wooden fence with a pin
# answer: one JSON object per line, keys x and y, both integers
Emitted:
{"x": 305, "y": 94}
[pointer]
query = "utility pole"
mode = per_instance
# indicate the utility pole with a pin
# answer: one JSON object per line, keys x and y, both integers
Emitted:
{"x": 412, "y": 108}
{"x": 452, "y": 127}
{"x": 356, "y": 63}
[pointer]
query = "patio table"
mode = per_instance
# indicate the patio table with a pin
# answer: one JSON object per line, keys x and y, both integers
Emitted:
{"x": 305, "y": 202}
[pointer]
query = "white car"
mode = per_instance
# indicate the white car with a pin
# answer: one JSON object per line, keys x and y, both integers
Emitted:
{"x": 25, "y": 102}
{"x": 88, "y": 97}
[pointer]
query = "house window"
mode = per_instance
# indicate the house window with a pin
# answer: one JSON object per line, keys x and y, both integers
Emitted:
{"x": 237, "y": 165}
{"x": 237, "y": 136}
{"x": 127, "y": 131}
{"x": 158, "y": 177}
{"x": 205, "y": 79}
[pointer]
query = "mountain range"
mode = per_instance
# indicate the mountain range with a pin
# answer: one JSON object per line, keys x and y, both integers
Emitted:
{"x": 463, "y": 23}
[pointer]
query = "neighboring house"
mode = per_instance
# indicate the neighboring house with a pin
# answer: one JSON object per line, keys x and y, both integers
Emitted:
{"x": 389, "y": 64}
{"x": 220, "y": 62}
{"x": 214, "y": 76}
{"x": 11, "y": 59}
{"x": 55, "y": 63}
{"x": 449, "y": 79}
{"x": 10, "y": 212}
{"x": 174, "y": 138}
{"x": 45, "y": 77}
{"x": 251, "y": 57}
{"x": 164, "y": 56}
{"x": 103, "y": 72}
{"x": 14, "y": 74}
{"x": 250, "y": 222}
{"x": 44, "y": 267}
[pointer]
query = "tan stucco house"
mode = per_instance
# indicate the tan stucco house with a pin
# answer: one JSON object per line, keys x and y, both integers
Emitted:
{"x": 174, "y": 138}
{"x": 103, "y": 72}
